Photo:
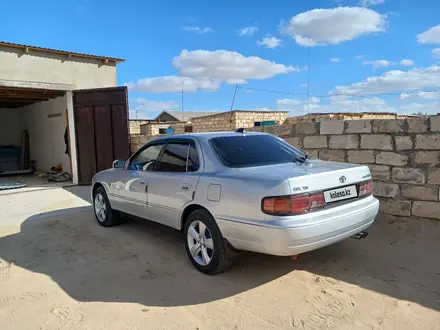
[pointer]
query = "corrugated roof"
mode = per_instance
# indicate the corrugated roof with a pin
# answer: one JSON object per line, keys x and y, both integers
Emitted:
{"x": 187, "y": 115}
{"x": 26, "y": 48}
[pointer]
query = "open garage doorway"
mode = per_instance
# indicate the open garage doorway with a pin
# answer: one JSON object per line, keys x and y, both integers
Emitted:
{"x": 34, "y": 136}
{"x": 61, "y": 136}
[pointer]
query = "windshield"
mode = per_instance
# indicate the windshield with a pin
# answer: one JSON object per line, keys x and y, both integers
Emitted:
{"x": 254, "y": 150}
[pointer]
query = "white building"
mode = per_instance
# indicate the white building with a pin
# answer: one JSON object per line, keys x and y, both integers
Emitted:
{"x": 47, "y": 93}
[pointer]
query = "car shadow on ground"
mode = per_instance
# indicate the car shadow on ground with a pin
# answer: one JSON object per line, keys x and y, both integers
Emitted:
{"x": 145, "y": 263}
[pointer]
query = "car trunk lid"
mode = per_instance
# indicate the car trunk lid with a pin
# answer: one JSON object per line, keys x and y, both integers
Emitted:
{"x": 316, "y": 175}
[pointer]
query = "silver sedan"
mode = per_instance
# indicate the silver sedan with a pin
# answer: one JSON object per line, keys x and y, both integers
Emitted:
{"x": 237, "y": 191}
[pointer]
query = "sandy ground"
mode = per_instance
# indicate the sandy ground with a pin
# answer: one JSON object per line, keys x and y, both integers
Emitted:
{"x": 61, "y": 270}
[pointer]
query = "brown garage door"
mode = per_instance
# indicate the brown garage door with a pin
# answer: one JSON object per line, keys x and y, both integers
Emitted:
{"x": 101, "y": 122}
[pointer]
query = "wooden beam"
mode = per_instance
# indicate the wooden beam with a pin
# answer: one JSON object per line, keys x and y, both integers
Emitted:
{"x": 25, "y": 97}
{"x": 16, "y": 101}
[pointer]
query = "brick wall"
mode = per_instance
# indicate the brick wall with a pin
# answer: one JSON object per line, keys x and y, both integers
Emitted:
{"x": 247, "y": 119}
{"x": 228, "y": 121}
{"x": 152, "y": 128}
{"x": 214, "y": 123}
{"x": 344, "y": 116}
{"x": 135, "y": 126}
{"x": 402, "y": 154}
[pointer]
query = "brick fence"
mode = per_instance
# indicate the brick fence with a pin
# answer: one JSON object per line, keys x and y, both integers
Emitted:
{"x": 402, "y": 154}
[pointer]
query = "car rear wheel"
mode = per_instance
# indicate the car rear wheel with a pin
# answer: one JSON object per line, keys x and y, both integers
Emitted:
{"x": 204, "y": 243}
{"x": 104, "y": 214}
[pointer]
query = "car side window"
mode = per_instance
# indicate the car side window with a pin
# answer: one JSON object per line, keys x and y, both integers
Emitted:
{"x": 174, "y": 158}
{"x": 193, "y": 158}
{"x": 145, "y": 160}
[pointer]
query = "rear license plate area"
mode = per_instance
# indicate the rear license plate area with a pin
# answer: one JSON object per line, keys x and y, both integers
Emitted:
{"x": 339, "y": 194}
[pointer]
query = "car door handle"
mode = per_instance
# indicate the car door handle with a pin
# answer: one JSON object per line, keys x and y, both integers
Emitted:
{"x": 185, "y": 186}
{"x": 142, "y": 182}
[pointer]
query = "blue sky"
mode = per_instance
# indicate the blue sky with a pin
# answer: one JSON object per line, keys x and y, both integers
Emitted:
{"x": 358, "y": 50}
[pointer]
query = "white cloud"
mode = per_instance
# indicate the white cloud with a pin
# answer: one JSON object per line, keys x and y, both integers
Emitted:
{"x": 336, "y": 104}
{"x": 415, "y": 108}
{"x": 320, "y": 27}
{"x": 303, "y": 85}
{"x": 247, "y": 31}
{"x": 198, "y": 29}
{"x": 436, "y": 53}
{"x": 142, "y": 108}
{"x": 142, "y": 104}
{"x": 367, "y": 3}
{"x": 358, "y": 57}
{"x": 407, "y": 62}
{"x": 431, "y": 36}
{"x": 269, "y": 42}
{"x": 289, "y": 103}
{"x": 385, "y": 63}
{"x": 314, "y": 100}
{"x": 335, "y": 59}
{"x": 378, "y": 63}
{"x": 421, "y": 95}
{"x": 394, "y": 80}
{"x": 227, "y": 66}
{"x": 167, "y": 84}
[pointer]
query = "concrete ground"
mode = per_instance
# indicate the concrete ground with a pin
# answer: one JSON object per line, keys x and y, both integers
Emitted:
{"x": 60, "y": 270}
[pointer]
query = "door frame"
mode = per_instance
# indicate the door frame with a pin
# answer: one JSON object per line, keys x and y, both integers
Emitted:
{"x": 115, "y": 140}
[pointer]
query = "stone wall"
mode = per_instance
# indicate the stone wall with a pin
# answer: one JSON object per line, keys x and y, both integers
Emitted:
{"x": 228, "y": 121}
{"x": 214, "y": 123}
{"x": 402, "y": 154}
{"x": 344, "y": 116}
{"x": 152, "y": 128}
{"x": 137, "y": 141}
{"x": 247, "y": 119}
{"x": 135, "y": 126}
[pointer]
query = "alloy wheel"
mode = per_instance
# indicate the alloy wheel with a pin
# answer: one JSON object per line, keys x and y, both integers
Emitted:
{"x": 100, "y": 207}
{"x": 200, "y": 243}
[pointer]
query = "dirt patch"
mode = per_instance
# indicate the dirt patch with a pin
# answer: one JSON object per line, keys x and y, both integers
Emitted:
{"x": 67, "y": 272}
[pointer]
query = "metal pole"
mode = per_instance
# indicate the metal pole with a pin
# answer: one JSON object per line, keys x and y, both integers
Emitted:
{"x": 233, "y": 98}
{"x": 182, "y": 99}
{"x": 232, "y": 104}
{"x": 308, "y": 76}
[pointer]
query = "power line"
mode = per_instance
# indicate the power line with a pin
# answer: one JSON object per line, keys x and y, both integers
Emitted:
{"x": 339, "y": 94}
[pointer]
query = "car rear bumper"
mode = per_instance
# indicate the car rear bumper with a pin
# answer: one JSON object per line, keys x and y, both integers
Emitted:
{"x": 301, "y": 234}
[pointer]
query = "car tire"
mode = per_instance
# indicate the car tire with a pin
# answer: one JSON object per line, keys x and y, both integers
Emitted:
{"x": 104, "y": 214}
{"x": 211, "y": 256}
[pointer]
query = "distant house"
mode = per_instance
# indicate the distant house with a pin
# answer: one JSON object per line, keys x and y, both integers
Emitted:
{"x": 185, "y": 116}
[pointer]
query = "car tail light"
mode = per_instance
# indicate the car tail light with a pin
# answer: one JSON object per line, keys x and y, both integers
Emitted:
{"x": 365, "y": 188}
{"x": 292, "y": 205}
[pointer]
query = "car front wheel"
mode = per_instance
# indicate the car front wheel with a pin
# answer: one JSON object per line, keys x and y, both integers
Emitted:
{"x": 104, "y": 214}
{"x": 204, "y": 243}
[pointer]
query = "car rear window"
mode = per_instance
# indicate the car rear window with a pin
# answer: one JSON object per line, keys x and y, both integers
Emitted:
{"x": 253, "y": 150}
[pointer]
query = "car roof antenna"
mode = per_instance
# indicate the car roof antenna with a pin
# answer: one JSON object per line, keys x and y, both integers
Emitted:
{"x": 240, "y": 130}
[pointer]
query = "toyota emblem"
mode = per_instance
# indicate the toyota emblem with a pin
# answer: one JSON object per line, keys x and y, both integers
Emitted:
{"x": 342, "y": 179}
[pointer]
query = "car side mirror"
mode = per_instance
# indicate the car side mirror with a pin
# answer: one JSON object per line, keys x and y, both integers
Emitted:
{"x": 120, "y": 163}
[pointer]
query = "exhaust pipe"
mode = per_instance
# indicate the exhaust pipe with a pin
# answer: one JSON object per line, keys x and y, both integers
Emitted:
{"x": 360, "y": 235}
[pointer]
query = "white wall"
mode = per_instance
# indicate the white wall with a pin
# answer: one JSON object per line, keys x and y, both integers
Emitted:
{"x": 10, "y": 128}
{"x": 46, "y": 135}
{"x": 53, "y": 71}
